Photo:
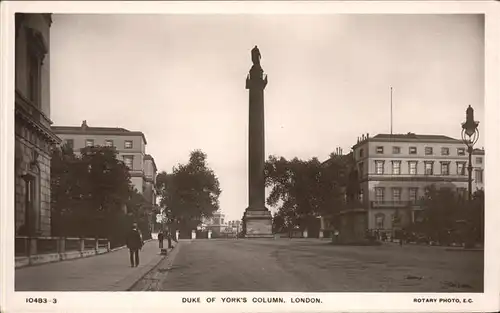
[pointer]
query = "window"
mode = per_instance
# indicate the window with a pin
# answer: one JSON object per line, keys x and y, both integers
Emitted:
{"x": 460, "y": 168}
{"x": 445, "y": 151}
{"x": 379, "y": 167}
{"x": 445, "y": 168}
{"x": 379, "y": 194}
{"x": 413, "y": 194}
{"x": 429, "y": 168}
{"x": 380, "y": 150}
{"x": 129, "y": 161}
{"x": 361, "y": 152}
{"x": 413, "y": 150}
{"x": 412, "y": 167}
{"x": 69, "y": 143}
{"x": 34, "y": 79}
{"x": 396, "y": 167}
{"x": 360, "y": 196}
{"x": 108, "y": 143}
{"x": 396, "y": 195}
{"x": 379, "y": 220}
{"x": 396, "y": 150}
{"x": 479, "y": 160}
{"x": 128, "y": 144}
{"x": 479, "y": 176}
{"x": 461, "y": 151}
{"x": 89, "y": 143}
{"x": 428, "y": 151}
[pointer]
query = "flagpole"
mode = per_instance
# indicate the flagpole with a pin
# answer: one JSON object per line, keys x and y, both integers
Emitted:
{"x": 391, "y": 110}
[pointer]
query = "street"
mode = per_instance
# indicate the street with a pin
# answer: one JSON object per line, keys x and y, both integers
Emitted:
{"x": 311, "y": 265}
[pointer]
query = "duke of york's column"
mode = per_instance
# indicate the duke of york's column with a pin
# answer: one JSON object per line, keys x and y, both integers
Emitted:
{"x": 257, "y": 218}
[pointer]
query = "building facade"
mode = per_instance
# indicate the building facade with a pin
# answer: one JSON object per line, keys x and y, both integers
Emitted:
{"x": 150, "y": 171}
{"x": 394, "y": 171}
{"x": 130, "y": 147}
{"x": 33, "y": 135}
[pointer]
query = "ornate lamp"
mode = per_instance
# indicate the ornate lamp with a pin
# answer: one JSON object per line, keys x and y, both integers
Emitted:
{"x": 470, "y": 136}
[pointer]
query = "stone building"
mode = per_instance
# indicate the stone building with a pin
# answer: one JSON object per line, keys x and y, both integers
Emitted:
{"x": 130, "y": 146}
{"x": 394, "y": 171}
{"x": 33, "y": 135}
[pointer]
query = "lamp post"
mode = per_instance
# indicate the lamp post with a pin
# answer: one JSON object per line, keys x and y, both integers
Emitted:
{"x": 470, "y": 135}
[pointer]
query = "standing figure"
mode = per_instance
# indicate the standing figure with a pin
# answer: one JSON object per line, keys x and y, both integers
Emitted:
{"x": 256, "y": 56}
{"x": 134, "y": 243}
{"x": 160, "y": 239}
{"x": 169, "y": 239}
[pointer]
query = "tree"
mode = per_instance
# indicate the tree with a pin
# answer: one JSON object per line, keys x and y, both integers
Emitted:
{"x": 302, "y": 190}
{"x": 89, "y": 192}
{"x": 443, "y": 207}
{"x": 190, "y": 193}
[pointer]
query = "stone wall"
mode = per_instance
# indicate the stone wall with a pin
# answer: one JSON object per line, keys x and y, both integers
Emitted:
{"x": 27, "y": 142}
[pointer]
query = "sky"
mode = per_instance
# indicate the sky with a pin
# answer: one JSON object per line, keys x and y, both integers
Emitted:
{"x": 180, "y": 79}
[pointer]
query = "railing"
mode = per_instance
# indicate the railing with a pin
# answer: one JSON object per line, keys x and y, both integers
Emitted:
{"x": 391, "y": 204}
{"x": 30, "y": 246}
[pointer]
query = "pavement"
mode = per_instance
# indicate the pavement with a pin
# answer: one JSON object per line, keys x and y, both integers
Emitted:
{"x": 305, "y": 265}
{"x": 106, "y": 272}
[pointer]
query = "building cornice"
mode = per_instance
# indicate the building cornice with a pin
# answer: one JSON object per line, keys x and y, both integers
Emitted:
{"x": 89, "y": 131}
{"x": 407, "y": 140}
{"x": 31, "y": 115}
{"x": 429, "y": 178}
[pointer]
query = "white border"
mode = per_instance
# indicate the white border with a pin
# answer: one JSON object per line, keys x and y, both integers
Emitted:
{"x": 148, "y": 302}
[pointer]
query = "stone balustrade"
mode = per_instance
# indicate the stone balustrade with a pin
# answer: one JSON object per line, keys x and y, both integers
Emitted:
{"x": 36, "y": 250}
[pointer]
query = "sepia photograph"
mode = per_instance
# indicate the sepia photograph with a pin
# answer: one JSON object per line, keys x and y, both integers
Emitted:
{"x": 263, "y": 153}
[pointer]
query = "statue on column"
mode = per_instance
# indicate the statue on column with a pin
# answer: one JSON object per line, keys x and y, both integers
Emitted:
{"x": 256, "y": 56}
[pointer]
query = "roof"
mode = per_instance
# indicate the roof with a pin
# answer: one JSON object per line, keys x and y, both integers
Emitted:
{"x": 409, "y": 137}
{"x": 414, "y": 136}
{"x": 84, "y": 129}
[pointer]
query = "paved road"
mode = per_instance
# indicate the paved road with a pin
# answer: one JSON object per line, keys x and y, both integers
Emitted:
{"x": 106, "y": 272}
{"x": 303, "y": 265}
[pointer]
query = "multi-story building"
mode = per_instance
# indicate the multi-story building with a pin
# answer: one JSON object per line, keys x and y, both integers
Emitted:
{"x": 33, "y": 135}
{"x": 395, "y": 169}
{"x": 130, "y": 146}
{"x": 150, "y": 171}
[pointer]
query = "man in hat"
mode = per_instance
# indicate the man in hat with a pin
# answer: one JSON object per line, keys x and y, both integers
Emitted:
{"x": 134, "y": 243}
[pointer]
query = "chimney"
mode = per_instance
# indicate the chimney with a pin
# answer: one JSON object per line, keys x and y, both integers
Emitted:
{"x": 84, "y": 124}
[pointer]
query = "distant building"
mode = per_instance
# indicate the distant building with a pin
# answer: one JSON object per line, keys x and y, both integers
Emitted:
{"x": 33, "y": 135}
{"x": 130, "y": 145}
{"x": 395, "y": 169}
{"x": 215, "y": 223}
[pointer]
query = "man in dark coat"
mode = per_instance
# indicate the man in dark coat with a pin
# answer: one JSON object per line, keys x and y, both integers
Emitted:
{"x": 134, "y": 243}
{"x": 160, "y": 239}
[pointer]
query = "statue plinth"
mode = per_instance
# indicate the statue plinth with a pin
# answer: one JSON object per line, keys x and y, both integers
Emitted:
{"x": 257, "y": 220}
{"x": 258, "y": 223}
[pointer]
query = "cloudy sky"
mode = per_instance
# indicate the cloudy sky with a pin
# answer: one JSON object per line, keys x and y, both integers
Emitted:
{"x": 180, "y": 79}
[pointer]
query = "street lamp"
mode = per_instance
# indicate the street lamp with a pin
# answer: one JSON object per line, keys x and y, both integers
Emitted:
{"x": 470, "y": 135}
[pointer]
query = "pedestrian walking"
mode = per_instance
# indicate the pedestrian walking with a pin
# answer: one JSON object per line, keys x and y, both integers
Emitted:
{"x": 134, "y": 243}
{"x": 160, "y": 239}
{"x": 169, "y": 239}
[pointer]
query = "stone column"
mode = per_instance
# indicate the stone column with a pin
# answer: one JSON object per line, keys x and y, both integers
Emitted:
{"x": 193, "y": 234}
{"x": 257, "y": 218}
{"x": 209, "y": 234}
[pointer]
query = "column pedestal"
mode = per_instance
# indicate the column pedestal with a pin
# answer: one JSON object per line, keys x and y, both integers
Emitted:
{"x": 258, "y": 223}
